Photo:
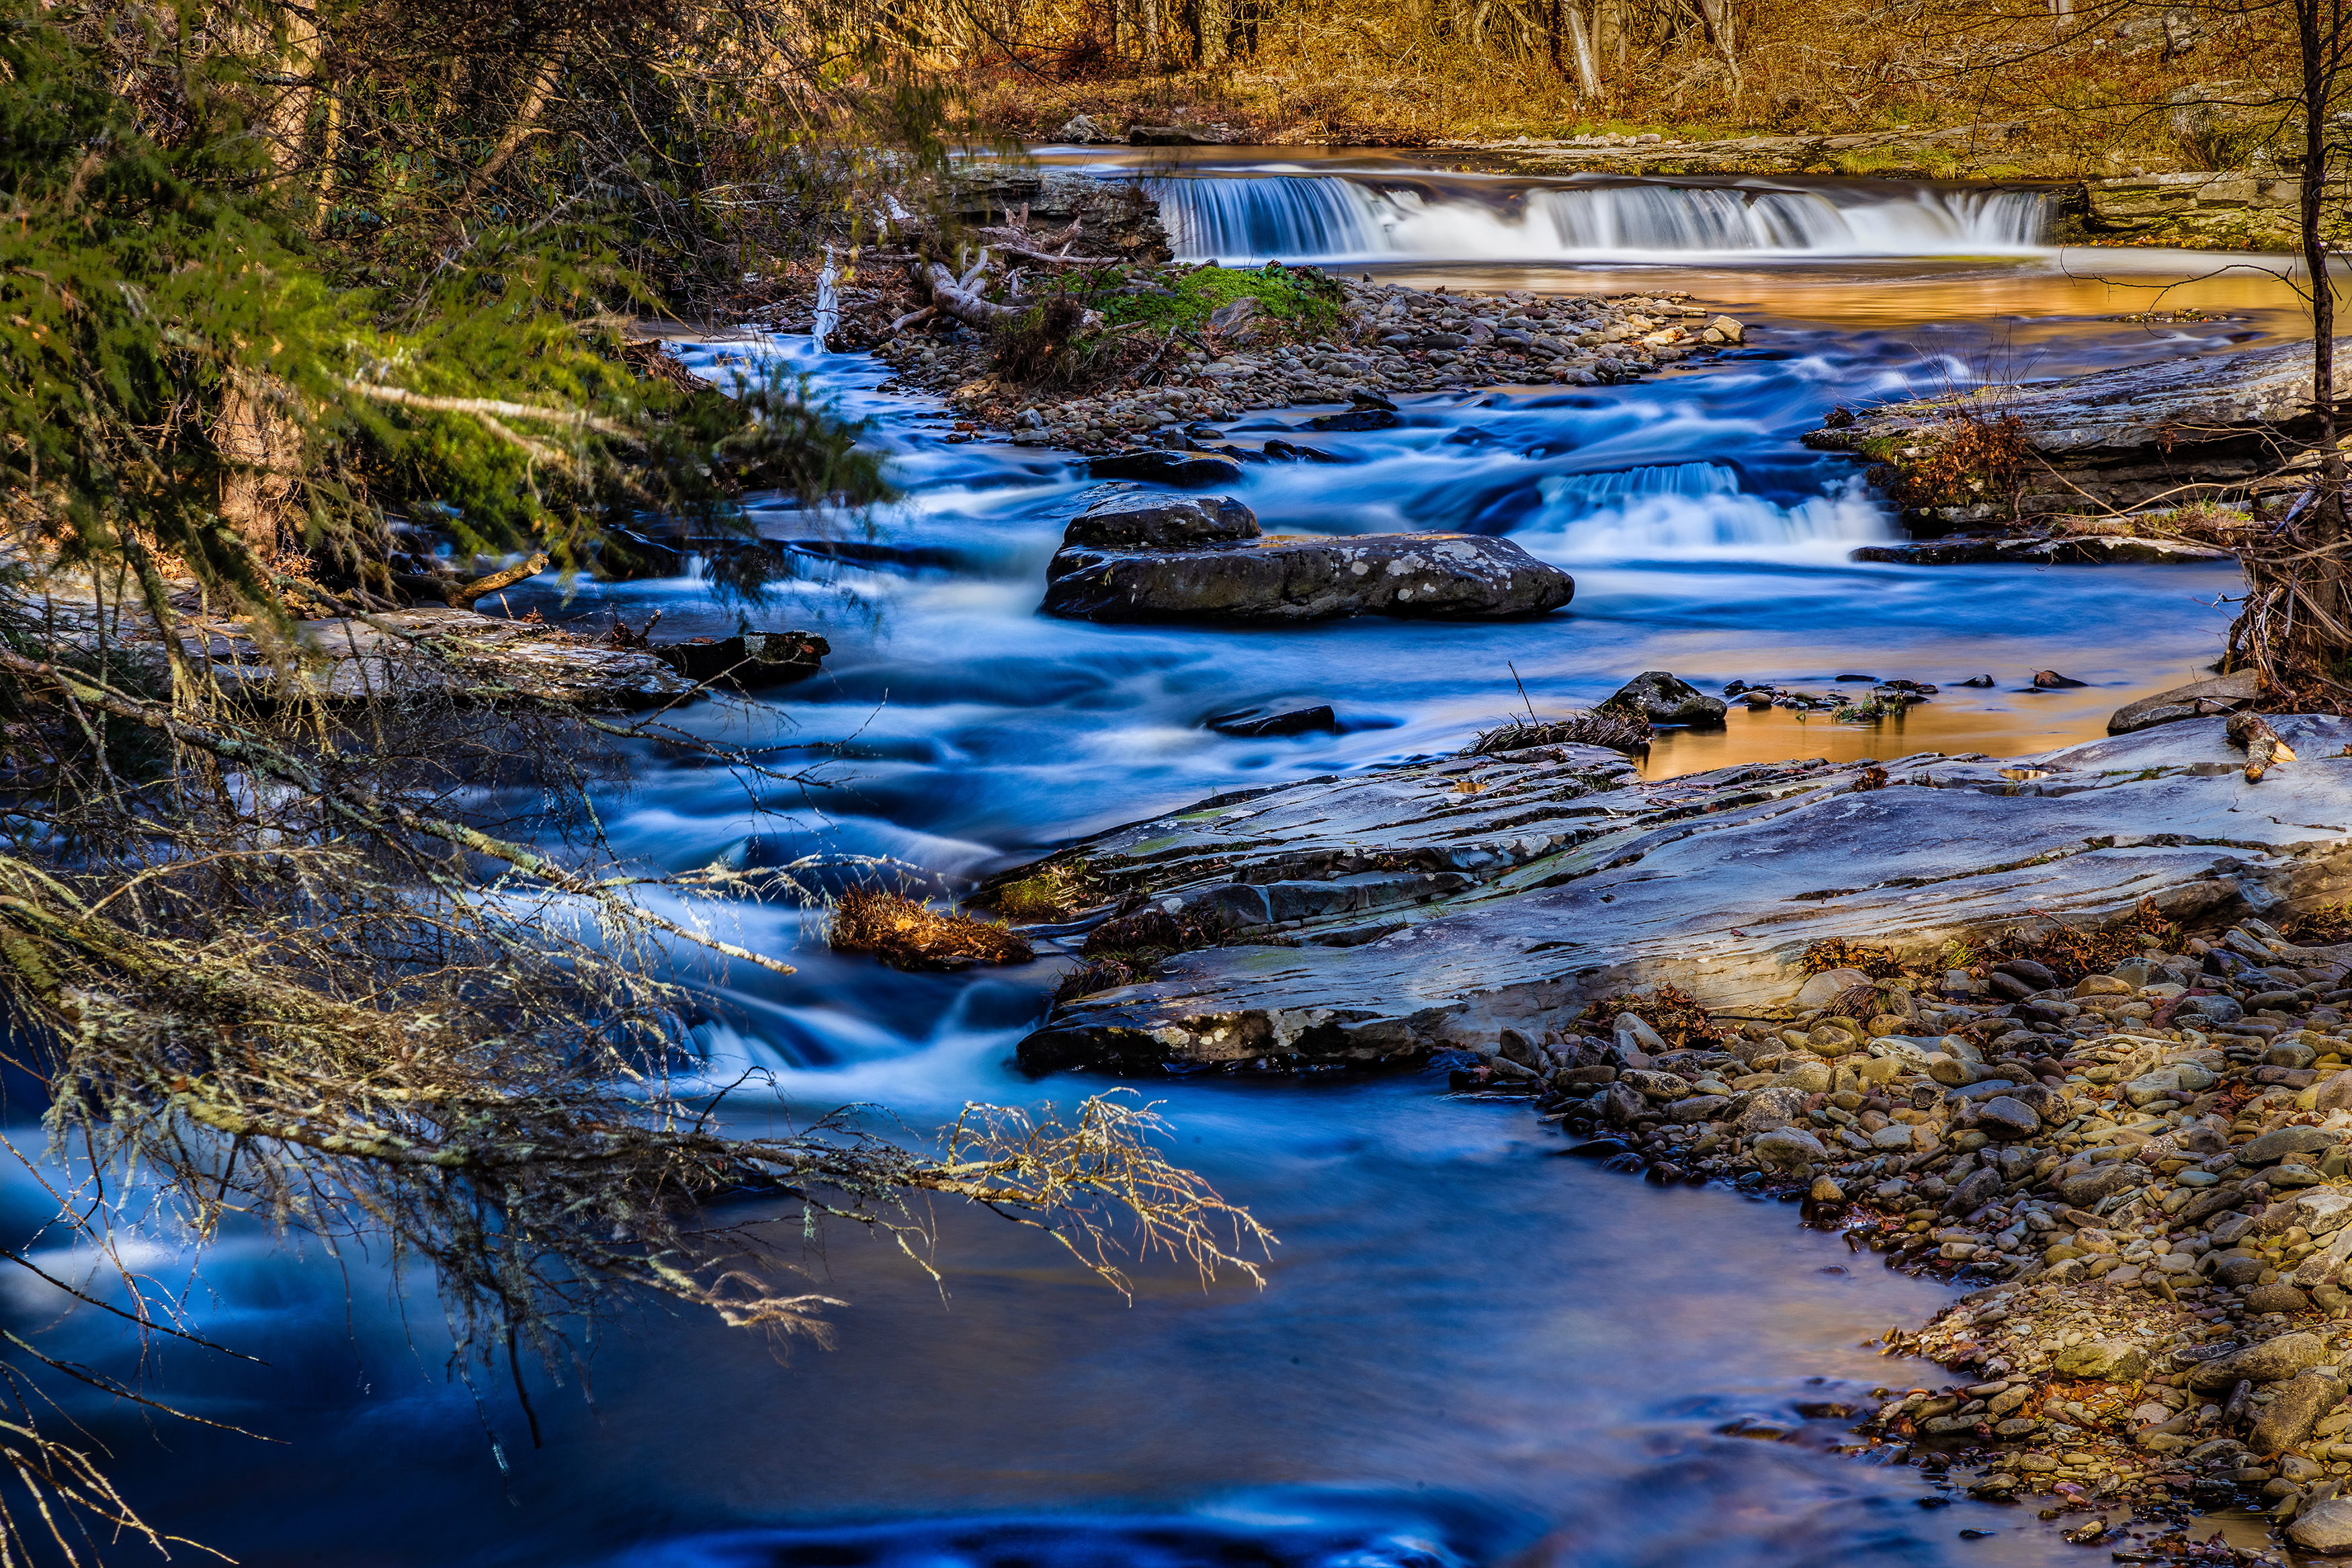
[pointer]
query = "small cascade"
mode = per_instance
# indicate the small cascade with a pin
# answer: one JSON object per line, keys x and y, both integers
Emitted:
{"x": 1690, "y": 511}
{"x": 1594, "y": 491}
{"x": 1333, "y": 219}
{"x": 1281, "y": 217}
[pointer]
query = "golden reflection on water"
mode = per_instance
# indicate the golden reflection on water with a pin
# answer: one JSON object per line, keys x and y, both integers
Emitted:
{"x": 2062, "y": 287}
{"x": 2012, "y": 722}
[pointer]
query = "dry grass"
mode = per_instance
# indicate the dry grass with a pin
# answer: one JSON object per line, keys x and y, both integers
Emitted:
{"x": 2070, "y": 952}
{"x": 2326, "y": 927}
{"x": 1051, "y": 893}
{"x": 1977, "y": 457}
{"x": 1128, "y": 950}
{"x": 908, "y": 933}
{"x": 2091, "y": 97}
{"x": 1880, "y": 963}
{"x": 1677, "y": 1017}
{"x": 1618, "y": 732}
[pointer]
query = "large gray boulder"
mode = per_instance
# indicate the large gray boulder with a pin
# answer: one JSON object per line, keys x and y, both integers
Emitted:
{"x": 1143, "y": 519}
{"x": 2273, "y": 1361}
{"x": 2324, "y": 1528}
{"x": 1204, "y": 560}
{"x": 1561, "y": 876}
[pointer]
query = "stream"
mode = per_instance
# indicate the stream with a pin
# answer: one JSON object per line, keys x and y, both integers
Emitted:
{"x": 1467, "y": 1350}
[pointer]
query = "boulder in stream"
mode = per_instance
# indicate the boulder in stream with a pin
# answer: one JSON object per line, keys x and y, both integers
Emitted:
{"x": 1662, "y": 697}
{"x": 1156, "y": 558}
{"x": 748, "y": 659}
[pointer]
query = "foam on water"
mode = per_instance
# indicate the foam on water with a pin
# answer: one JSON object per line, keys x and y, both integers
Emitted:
{"x": 1692, "y": 511}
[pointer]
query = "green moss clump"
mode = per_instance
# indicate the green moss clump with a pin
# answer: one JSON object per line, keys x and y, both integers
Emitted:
{"x": 1305, "y": 299}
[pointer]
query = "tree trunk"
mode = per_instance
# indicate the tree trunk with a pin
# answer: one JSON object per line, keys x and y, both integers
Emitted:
{"x": 1715, "y": 18}
{"x": 1155, "y": 48}
{"x": 2319, "y": 24}
{"x": 261, "y": 447}
{"x": 1214, "y": 19}
{"x": 1588, "y": 69}
{"x": 2296, "y": 626}
{"x": 519, "y": 130}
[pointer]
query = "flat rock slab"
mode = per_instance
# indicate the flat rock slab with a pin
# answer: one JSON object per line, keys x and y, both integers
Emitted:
{"x": 351, "y": 659}
{"x": 2131, "y": 434}
{"x": 1517, "y": 888}
{"x": 2064, "y": 550}
{"x": 1280, "y": 578}
{"x": 2197, "y": 699}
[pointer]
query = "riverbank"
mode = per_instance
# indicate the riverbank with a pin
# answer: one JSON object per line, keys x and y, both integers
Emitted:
{"x": 2121, "y": 1109}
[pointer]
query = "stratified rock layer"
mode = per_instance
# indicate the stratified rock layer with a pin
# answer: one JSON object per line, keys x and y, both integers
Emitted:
{"x": 1516, "y": 888}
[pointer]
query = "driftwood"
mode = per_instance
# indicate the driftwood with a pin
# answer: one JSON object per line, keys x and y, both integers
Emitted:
{"x": 2251, "y": 733}
{"x": 1052, "y": 258}
{"x": 463, "y": 597}
{"x": 427, "y": 587}
{"x": 954, "y": 297}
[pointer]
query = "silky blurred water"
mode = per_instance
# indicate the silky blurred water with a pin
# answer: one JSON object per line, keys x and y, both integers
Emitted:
{"x": 1467, "y": 1349}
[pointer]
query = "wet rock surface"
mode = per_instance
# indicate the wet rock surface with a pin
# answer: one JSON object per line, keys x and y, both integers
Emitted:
{"x": 2145, "y": 1165}
{"x": 2197, "y": 699}
{"x": 1136, "y": 557}
{"x": 1531, "y": 882}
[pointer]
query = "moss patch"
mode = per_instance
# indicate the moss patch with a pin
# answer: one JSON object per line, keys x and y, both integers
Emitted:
{"x": 1299, "y": 298}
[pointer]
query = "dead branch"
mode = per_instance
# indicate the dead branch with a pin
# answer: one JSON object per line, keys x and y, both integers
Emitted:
{"x": 2251, "y": 734}
{"x": 464, "y": 598}
{"x": 955, "y": 297}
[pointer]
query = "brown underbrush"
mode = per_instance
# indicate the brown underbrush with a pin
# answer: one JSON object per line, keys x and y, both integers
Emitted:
{"x": 1677, "y": 1017}
{"x": 1128, "y": 950}
{"x": 908, "y": 933}
{"x": 1619, "y": 732}
{"x": 2105, "y": 89}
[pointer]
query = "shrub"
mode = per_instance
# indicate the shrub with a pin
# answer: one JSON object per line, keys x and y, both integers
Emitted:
{"x": 1976, "y": 457}
{"x": 1038, "y": 349}
{"x": 1680, "y": 1022}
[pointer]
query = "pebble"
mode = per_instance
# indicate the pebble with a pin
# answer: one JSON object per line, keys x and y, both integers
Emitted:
{"x": 2153, "y": 1199}
{"x": 1393, "y": 339}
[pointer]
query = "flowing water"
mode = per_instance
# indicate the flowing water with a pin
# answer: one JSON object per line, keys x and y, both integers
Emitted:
{"x": 1468, "y": 1349}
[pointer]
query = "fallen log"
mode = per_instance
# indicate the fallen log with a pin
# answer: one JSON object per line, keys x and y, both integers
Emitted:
{"x": 1050, "y": 258}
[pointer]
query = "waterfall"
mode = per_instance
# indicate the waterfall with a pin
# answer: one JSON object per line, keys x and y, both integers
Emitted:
{"x": 1263, "y": 220}
{"x": 1594, "y": 491}
{"x": 1335, "y": 218}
